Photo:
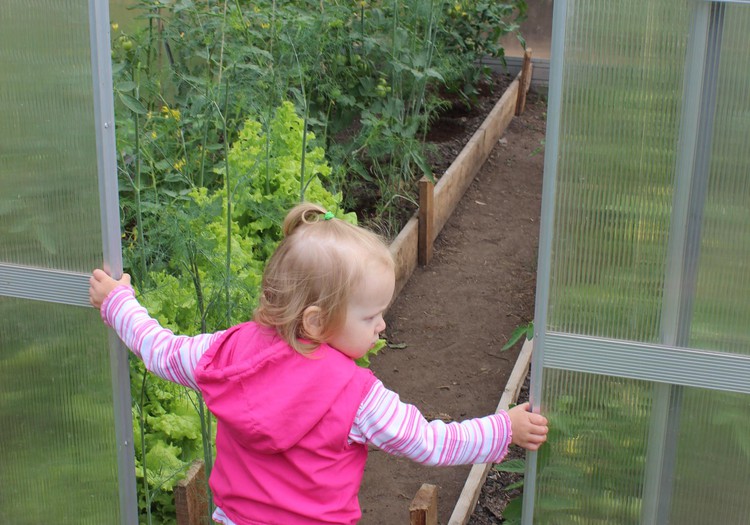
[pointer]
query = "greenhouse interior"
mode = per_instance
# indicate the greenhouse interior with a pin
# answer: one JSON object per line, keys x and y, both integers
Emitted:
{"x": 642, "y": 342}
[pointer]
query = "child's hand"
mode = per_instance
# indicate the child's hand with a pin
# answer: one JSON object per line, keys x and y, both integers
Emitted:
{"x": 529, "y": 429}
{"x": 101, "y": 284}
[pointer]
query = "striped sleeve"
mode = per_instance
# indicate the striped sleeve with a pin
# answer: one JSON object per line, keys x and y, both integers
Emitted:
{"x": 168, "y": 356}
{"x": 400, "y": 429}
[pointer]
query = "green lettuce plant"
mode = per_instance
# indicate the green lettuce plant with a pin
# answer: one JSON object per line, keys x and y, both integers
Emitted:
{"x": 220, "y": 240}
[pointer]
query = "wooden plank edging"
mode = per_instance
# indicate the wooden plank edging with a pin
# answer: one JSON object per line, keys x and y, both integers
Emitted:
{"x": 190, "y": 497}
{"x": 423, "y": 508}
{"x": 425, "y": 216}
{"x": 453, "y": 184}
{"x": 478, "y": 473}
{"x": 404, "y": 252}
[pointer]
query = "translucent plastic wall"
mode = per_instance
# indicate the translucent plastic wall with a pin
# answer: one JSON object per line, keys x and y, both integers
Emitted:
{"x": 63, "y": 400}
{"x": 642, "y": 357}
{"x": 536, "y": 30}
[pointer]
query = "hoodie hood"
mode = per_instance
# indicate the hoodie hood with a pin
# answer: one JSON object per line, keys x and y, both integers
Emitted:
{"x": 266, "y": 394}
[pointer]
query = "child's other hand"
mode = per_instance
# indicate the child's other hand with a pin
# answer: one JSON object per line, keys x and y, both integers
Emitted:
{"x": 101, "y": 284}
{"x": 529, "y": 429}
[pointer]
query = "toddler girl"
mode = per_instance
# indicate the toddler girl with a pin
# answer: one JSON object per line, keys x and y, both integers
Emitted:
{"x": 294, "y": 412}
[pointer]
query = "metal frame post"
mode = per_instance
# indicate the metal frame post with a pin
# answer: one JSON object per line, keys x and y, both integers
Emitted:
{"x": 683, "y": 252}
{"x": 552, "y": 149}
{"x": 101, "y": 69}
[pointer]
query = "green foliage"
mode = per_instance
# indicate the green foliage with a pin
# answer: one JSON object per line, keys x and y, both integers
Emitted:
{"x": 216, "y": 263}
{"x": 473, "y": 30}
{"x": 367, "y": 76}
{"x": 275, "y": 176}
{"x": 512, "y": 511}
{"x": 524, "y": 330}
{"x": 364, "y": 361}
{"x": 167, "y": 431}
{"x": 516, "y": 466}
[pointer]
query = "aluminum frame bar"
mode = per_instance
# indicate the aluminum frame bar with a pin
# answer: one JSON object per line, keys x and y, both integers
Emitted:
{"x": 546, "y": 228}
{"x": 104, "y": 113}
{"x": 688, "y": 367}
{"x": 683, "y": 253}
{"x": 41, "y": 284}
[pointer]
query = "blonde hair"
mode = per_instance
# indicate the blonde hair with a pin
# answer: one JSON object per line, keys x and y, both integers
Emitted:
{"x": 319, "y": 261}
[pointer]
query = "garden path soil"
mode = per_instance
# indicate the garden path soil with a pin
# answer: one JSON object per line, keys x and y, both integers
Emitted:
{"x": 455, "y": 314}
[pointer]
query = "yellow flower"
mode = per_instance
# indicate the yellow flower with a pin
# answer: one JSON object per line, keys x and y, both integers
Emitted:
{"x": 153, "y": 135}
{"x": 170, "y": 113}
{"x": 265, "y": 25}
{"x": 179, "y": 164}
{"x": 115, "y": 26}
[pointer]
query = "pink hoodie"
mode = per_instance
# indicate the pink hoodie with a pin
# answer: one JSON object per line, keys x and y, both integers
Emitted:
{"x": 283, "y": 419}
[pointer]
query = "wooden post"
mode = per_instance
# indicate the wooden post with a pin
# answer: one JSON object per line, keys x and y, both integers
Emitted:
{"x": 423, "y": 508}
{"x": 524, "y": 82}
{"x": 190, "y": 498}
{"x": 426, "y": 219}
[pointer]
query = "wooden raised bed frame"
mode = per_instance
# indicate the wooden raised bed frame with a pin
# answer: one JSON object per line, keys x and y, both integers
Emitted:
{"x": 436, "y": 204}
{"x": 411, "y": 247}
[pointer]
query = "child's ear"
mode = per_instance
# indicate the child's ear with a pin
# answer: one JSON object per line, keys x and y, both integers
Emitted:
{"x": 312, "y": 322}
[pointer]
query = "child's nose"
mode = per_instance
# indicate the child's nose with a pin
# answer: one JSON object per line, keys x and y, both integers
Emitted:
{"x": 381, "y": 325}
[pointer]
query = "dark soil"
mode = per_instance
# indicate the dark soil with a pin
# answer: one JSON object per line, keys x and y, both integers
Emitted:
{"x": 448, "y": 324}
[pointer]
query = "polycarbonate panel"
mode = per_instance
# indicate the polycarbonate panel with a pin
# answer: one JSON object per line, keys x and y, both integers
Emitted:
{"x": 61, "y": 459}
{"x": 712, "y": 474}
{"x": 592, "y": 469}
{"x": 49, "y": 203}
{"x": 619, "y": 123}
{"x": 57, "y": 436}
{"x": 644, "y": 267}
{"x": 722, "y": 308}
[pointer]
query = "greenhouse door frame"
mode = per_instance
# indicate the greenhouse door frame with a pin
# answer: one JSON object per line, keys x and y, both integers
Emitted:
{"x": 670, "y": 365}
{"x": 106, "y": 153}
{"x": 71, "y": 288}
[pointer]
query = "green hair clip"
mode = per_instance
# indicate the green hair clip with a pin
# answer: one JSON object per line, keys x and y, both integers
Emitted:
{"x": 328, "y": 216}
